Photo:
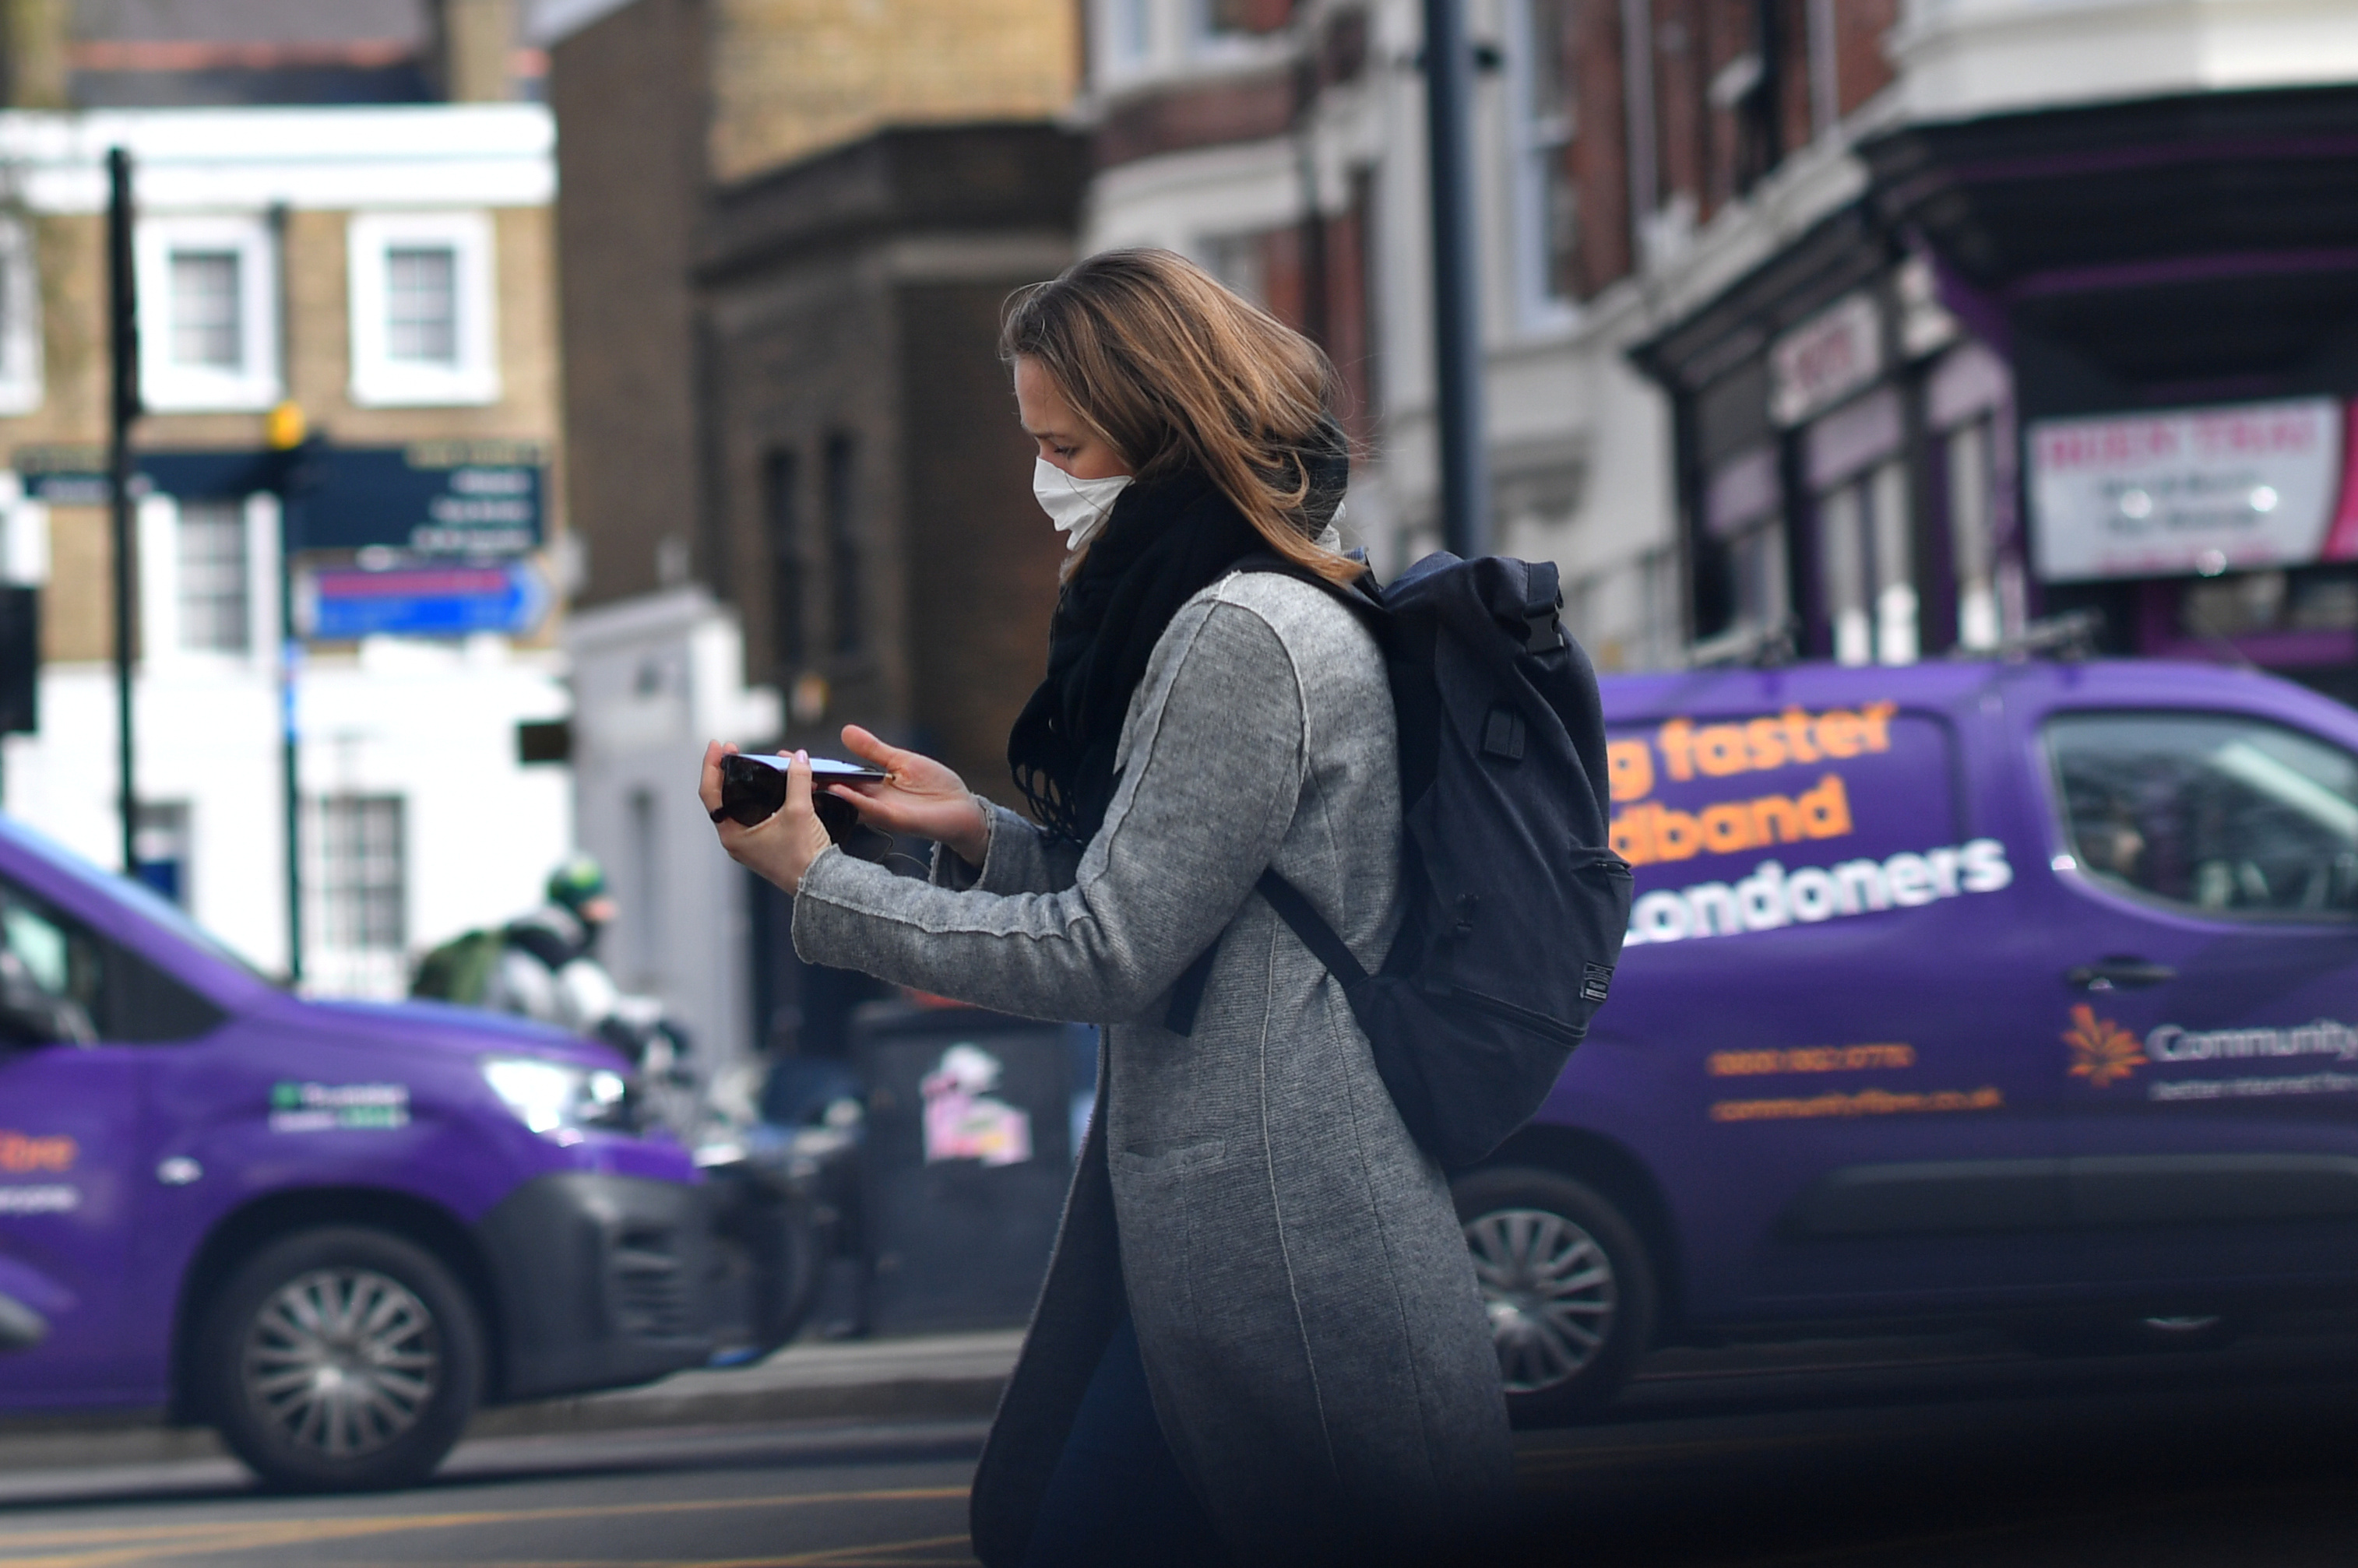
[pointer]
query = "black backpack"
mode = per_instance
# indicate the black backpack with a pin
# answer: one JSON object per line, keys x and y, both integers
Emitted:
{"x": 1515, "y": 907}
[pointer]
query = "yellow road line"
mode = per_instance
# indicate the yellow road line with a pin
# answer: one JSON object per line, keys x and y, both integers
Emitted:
{"x": 870, "y": 1556}
{"x": 863, "y": 1555}
{"x": 877, "y": 1555}
{"x": 211, "y": 1538}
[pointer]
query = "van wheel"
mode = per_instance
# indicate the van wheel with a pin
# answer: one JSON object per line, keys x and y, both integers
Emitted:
{"x": 340, "y": 1359}
{"x": 1566, "y": 1283}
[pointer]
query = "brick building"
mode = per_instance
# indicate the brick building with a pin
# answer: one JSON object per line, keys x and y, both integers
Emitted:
{"x": 663, "y": 104}
{"x": 1281, "y": 143}
{"x": 314, "y": 227}
{"x": 2061, "y": 327}
{"x": 875, "y": 502}
{"x": 1822, "y": 231}
{"x": 795, "y": 461}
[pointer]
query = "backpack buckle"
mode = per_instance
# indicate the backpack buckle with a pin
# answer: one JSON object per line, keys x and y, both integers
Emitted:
{"x": 1543, "y": 599}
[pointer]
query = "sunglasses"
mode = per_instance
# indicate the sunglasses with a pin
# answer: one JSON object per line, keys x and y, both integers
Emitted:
{"x": 753, "y": 787}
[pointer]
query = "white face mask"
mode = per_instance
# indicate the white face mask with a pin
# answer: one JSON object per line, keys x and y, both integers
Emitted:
{"x": 1079, "y": 507}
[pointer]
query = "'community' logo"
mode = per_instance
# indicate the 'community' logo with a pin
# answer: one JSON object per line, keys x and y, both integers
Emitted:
{"x": 2101, "y": 1051}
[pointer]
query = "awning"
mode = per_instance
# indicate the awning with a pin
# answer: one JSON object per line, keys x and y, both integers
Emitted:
{"x": 2195, "y": 248}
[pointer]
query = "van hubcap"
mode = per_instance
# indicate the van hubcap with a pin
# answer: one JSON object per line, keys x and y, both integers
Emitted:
{"x": 342, "y": 1361}
{"x": 1549, "y": 1289}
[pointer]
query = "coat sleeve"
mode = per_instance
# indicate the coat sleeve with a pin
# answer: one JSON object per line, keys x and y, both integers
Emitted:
{"x": 1211, "y": 776}
{"x": 1018, "y": 856}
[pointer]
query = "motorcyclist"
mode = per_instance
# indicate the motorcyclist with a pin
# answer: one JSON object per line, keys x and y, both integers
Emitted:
{"x": 548, "y": 966}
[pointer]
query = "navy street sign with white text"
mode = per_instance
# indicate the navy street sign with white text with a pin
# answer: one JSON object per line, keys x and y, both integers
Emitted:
{"x": 437, "y": 498}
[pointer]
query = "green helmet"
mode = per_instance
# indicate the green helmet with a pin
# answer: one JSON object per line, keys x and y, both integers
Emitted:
{"x": 577, "y": 882}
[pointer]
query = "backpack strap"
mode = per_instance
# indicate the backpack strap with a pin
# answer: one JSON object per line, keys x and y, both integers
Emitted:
{"x": 1307, "y": 923}
{"x": 1360, "y": 595}
{"x": 1311, "y": 928}
{"x": 1187, "y": 992}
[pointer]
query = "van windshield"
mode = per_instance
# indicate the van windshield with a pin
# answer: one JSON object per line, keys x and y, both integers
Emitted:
{"x": 143, "y": 899}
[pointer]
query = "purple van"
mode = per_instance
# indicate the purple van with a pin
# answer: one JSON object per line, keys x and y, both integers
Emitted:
{"x": 2025, "y": 991}
{"x": 327, "y": 1228}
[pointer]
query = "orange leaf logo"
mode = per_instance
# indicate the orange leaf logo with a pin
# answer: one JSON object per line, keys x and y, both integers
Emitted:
{"x": 2101, "y": 1051}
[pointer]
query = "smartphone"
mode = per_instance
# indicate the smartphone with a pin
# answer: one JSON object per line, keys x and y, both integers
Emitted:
{"x": 754, "y": 786}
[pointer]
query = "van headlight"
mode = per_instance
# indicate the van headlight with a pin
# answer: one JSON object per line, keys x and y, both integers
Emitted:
{"x": 554, "y": 1096}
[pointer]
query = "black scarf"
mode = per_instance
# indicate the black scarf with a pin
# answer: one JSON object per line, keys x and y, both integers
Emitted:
{"x": 1167, "y": 540}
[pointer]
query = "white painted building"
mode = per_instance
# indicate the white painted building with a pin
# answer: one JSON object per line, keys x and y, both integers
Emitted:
{"x": 421, "y": 822}
{"x": 655, "y": 677}
{"x": 388, "y": 270}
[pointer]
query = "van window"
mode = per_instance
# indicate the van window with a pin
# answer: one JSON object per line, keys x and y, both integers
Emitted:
{"x": 61, "y": 981}
{"x": 2227, "y": 815}
{"x": 49, "y": 973}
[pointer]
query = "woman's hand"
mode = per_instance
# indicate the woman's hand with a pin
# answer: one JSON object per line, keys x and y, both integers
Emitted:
{"x": 781, "y": 847}
{"x": 922, "y": 798}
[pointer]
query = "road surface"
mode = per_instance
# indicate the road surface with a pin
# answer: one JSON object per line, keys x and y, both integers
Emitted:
{"x": 1950, "y": 1452}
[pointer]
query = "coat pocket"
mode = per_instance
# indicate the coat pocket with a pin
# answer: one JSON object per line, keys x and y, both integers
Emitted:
{"x": 1154, "y": 1203}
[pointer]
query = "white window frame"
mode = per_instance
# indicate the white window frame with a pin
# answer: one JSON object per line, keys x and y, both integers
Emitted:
{"x": 336, "y": 968}
{"x": 157, "y": 522}
{"x": 20, "y": 344}
{"x": 380, "y": 380}
{"x": 1538, "y": 311}
{"x": 168, "y": 387}
{"x": 242, "y": 653}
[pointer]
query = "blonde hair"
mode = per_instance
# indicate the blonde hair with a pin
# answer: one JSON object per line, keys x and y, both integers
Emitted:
{"x": 1172, "y": 371}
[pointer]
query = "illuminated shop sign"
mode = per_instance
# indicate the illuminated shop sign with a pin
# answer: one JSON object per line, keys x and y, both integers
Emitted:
{"x": 2194, "y": 491}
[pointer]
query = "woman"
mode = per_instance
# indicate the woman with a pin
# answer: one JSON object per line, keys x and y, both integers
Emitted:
{"x": 1251, "y": 1236}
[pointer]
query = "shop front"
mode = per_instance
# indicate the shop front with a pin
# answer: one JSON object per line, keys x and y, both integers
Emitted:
{"x": 2097, "y": 359}
{"x": 1847, "y": 450}
{"x": 2223, "y": 532}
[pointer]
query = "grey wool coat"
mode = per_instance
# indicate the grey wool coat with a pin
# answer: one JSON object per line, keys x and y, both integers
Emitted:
{"x": 1304, "y": 1303}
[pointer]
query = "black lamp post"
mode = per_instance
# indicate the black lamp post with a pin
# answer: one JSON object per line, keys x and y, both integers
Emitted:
{"x": 1457, "y": 282}
{"x": 123, "y": 318}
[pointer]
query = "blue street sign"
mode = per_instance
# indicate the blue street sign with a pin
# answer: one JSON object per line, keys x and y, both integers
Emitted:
{"x": 342, "y": 604}
{"x": 433, "y": 498}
